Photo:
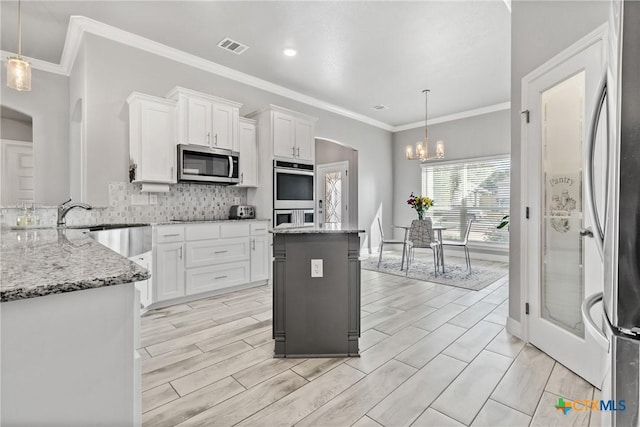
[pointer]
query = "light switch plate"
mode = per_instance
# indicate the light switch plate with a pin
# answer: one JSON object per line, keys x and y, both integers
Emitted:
{"x": 153, "y": 199}
{"x": 316, "y": 268}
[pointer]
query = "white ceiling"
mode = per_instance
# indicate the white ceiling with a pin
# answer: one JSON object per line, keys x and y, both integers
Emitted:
{"x": 351, "y": 54}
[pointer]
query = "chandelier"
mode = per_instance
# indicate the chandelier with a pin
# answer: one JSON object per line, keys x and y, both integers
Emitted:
{"x": 421, "y": 151}
{"x": 18, "y": 68}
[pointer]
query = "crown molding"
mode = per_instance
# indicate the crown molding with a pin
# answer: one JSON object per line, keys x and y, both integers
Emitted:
{"x": 79, "y": 25}
{"x": 457, "y": 116}
{"x": 38, "y": 64}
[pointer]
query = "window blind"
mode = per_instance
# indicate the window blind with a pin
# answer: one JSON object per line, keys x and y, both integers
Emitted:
{"x": 477, "y": 189}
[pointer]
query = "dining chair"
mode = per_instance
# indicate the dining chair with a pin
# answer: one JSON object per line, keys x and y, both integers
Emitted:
{"x": 462, "y": 243}
{"x": 384, "y": 241}
{"x": 421, "y": 236}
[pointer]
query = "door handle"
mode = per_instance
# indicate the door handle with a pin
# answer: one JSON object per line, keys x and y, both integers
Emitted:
{"x": 215, "y": 139}
{"x": 253, "y": 244}
{"x": 241, "y": 177}
{"x": 298, "y": 151}
{"x": 586, "y": 232}
{"x": 293, "y": 151}
{"x": 180, "y": 252}
{"x": 588, "y": 179}
{"x": 209, "y": 138}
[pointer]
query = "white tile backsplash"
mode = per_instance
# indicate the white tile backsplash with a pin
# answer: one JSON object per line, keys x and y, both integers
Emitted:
{"x": 128, "y": 205}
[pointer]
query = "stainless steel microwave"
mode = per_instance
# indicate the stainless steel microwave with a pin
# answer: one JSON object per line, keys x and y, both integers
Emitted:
{"x": 207, "y": 165}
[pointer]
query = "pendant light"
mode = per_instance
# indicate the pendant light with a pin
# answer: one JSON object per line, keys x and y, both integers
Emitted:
{"x": 422, "y": 147}
{"x": 18, "y": 68}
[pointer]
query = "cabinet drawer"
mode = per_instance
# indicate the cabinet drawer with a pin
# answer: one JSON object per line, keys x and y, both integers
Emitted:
{"x": 170, "y": 234}
{"x": 217, "y": 277}
{"x": 203, "y": 231}
{"x": 211, "y": 252}
{"x": 258, "y": 228}
{"x": 234, "y": 230}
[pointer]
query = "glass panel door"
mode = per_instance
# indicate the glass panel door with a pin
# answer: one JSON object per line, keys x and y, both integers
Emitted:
{"x": 562, "y": 284}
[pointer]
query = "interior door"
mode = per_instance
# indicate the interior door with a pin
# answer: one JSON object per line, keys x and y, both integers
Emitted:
{"x": 17, "y": 172}
{"x": 332, "y": 193}
{"x": 562, "y": 267}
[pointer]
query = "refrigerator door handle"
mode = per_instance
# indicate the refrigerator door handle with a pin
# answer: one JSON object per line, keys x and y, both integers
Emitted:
{"x": 590, "y": 325}
{"x": 598, "y": 234}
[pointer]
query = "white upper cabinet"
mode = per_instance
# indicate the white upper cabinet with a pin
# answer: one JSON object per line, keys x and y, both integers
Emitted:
{"x": 152, "y": 138}
{"x": 206, "y": 119}
{"x": 248, "y": 153}
{"x": 283, "y": 135}
{"x": 292, "y": 134}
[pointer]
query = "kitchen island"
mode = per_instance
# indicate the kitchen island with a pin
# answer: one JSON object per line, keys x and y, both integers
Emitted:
{"x": 316, "y": 291}
{"x": 68, "y": 317}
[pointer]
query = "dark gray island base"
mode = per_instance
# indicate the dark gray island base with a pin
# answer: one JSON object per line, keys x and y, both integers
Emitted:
{"x": 316, "y": 316}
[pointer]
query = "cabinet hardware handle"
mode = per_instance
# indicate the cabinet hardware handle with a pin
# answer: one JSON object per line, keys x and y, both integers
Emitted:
{"x": 220, "y": 277}
{"x": 172, "y": 172}
{"x": 220, "y": 252}
{"x": 171, "y": 235}
{"x": 298, "y": 149}
{"x": 215, "y": 138}
{"x": 180, "y": 252}
{"x": 259, "y": 229}
{"x": 209, "y": 138}
{"x": 253, "y": 244}
{"x": 241, "y": 177}
{"x": 293, "y": 151}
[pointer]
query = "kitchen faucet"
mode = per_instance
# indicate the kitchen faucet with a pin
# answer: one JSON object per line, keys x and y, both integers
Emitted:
{"x": 65, "y": 207}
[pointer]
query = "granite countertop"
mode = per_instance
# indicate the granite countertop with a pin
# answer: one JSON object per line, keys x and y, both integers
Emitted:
{"x": 326, "y": 229}
{"x": 206, "y": 221}
{"x": 36, "y": 263}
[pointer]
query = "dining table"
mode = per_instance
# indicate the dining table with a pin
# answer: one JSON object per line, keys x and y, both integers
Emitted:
{"x": 437, "y": 228}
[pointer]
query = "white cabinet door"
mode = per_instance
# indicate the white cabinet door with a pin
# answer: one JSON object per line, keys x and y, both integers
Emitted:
{"x": 168, "y": 274}
{"x": 305, "y": 140}
{"x": 223, "y": 124}
{"x": 152, "y": 138}
{"x": 283, "y": 135}
{"x": 259, "y": 258}
{"x": 144, "y": 286}
{"x": 214, "y": 277}
{"x": 211, "y": 252}
{"x": 248, "y": 155}
{"x": 199, "y": 121}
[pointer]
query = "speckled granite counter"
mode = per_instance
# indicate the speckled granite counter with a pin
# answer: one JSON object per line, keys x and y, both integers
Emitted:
{"x": 36, "y": 263}
{"x": 327, "y": 229}
{"x": 206, "y": 221}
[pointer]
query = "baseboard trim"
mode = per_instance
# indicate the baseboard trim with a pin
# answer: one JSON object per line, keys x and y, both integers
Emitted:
{"x": 189, "y": 298}
{"x": 513, "y": 327}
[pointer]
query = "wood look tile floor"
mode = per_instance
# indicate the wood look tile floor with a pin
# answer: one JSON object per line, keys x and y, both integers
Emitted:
{"x": 431, "y": 355}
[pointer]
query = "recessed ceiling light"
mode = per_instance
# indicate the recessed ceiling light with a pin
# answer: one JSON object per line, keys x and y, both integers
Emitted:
{"x": 380, "y": 107}
{"x": 290, "y": 52}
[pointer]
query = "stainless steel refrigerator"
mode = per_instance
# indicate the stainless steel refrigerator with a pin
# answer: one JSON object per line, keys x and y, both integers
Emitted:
{"x": 617, "y": 229}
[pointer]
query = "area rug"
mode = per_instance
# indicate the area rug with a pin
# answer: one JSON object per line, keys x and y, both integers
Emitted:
{"x": 455, "y": 274}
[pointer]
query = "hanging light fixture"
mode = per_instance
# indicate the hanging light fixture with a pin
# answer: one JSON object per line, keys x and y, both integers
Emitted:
{"x": 18, "y": 68}
{"x": 422, "y": 147}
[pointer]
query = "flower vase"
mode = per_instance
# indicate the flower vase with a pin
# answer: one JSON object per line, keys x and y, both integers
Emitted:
{"x": 420, "y": 214}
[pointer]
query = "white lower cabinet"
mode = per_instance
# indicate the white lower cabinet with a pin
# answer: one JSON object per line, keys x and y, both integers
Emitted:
{"x": 144, "y": 286}
{"x": 215, "y": 277}
{"x": 195, "y": 258}
{"x": 259, "y": 258}
{"x": 168, "y": 271}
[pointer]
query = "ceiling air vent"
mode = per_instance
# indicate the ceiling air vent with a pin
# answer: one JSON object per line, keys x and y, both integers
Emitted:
{"x": 232, "y": 46}
{"x": 379, "y": 107}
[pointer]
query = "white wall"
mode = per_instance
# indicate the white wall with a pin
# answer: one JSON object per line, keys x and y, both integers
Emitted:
{"x": 539, "y": 31}
{"x": 109, "y": 82}
{"x": 478, "y": 136}
{"x": 48, "y": 104}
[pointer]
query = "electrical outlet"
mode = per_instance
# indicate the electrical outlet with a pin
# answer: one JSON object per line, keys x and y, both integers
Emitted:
{"x": 139, "y": 199}
{"x": 236, "y": 200}
{"x": 153, "y": 199}
{"x": 316, "y": 268}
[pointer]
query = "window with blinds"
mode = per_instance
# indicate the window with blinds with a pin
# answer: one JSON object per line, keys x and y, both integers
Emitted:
{"x": 475, "y": 189}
